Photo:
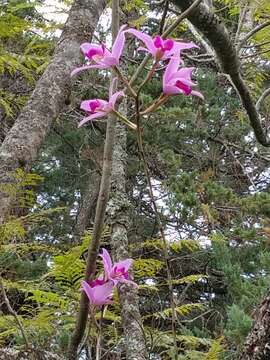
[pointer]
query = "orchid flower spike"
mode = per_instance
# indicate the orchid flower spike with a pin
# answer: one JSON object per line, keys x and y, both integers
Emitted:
{"x": 118, "y": 272}
{"x": 98, "y": 108}
{"x": 178, "y": 81}
{"x": 97, "y": 294}
{"x": 102, "y": 57}
{"x": 159, "y": 48}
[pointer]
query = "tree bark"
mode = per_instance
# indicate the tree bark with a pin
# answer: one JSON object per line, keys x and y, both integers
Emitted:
{"x": 104, "y": 191}
{"x": 21, "y": 145}
{"x": 257, "y": 345}
{"x": 118, "y": 211}
{"x": 87, "y": 208}
{"x": 11, "y": 354}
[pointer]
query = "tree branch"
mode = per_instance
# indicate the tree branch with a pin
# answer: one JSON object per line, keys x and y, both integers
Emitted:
{"x": 253, "y": 32}
{"x": 262, "y": 98}
{"x": 217, "y": 34}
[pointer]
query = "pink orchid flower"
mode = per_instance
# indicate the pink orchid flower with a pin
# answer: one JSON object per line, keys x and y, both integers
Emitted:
{"x": 98, "y": 108}
{"x": 159, "y": 48}
{"x": 98, "y": 294}
{"x": 118, "y": 272}
{"x": 178, "y": 81}
{"x": 102, "y": 57}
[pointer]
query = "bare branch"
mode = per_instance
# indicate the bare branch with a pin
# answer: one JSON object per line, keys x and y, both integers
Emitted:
{"x": 13, "y": 312}
{"x": 262, "y": 98}
{"x": 217, "y": 34}
{"x": 253, "y": 32}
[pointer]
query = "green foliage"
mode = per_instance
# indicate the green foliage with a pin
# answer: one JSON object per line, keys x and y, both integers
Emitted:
{"x": 147, "y": 267}
{"x": 238, "y": 325}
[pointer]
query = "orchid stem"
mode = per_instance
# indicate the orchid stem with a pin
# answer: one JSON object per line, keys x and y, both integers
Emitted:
{"x": 159, "y": 223}
{"x": 125, "y": 120}
{"x": 99, "y": 336}
{"x": 162, "y": 98}
{"x": 148, "y": 77}
{"x": 124, "y": 80}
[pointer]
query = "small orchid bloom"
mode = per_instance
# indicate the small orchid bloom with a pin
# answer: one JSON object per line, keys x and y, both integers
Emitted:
{"x": 118, "y": 272}
{"x": 178, "y": 81}
{"x": 102, "y": 57}
{"x": 98, "y": 294}
{"x": 98, "y": 108}
{"x": 159, "y": 48}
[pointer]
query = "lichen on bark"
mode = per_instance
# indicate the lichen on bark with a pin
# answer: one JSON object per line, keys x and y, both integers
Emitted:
{"x": 21, "y": 145}
{"x": 118, "y": 216}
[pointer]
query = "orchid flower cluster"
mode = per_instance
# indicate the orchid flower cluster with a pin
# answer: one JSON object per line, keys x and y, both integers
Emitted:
{"x": 175, "y": 80}
{"x": 100, "y": 290}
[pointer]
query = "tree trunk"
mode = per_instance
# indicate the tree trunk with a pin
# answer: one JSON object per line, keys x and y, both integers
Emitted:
{"x": 88, "y": 204}
{"x": 257, "y": 345}
{"x": 118, "y": 211}
{"x": 11, "y": 354}
{"x": 21, "y": 145}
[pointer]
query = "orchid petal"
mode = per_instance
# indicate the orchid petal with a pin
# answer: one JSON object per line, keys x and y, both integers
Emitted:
{"x": 168, "y": 44}
{"x": 170, "y": 69}
{"x": 88, "y": 291}
{"x": 108, "y": 61}
{"x": 126, "y": 264}
{"x": 114, "y": 97}
{"x": 85, "y": 67}
{"x": 197, "y": 93}
{"x": 86, "y": 104}
{"x": 158, "y": 42}
{"x": 107, "y": 262}
{"x": 118, "y": 45}
{"x": 140, "y": 48}
{"x": 171, "y": 90}
{"x": 91, "y": 117}
{"x": 176, "y": 77}
{"x": 146, "y": 39}
{"x": 102, "y": 293}
{"x": 177, "y": 48}
{"x": 86, "y": 47}
{"x": 185, "y": 72}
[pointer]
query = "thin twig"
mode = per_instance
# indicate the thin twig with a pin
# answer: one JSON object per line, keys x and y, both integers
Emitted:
{"x": 158, "y": 219}
{"x": 13, "y": 312}
{"x": 261, "y": 98}
{"x": 164, "y": 15}
{"x": 253, "y": 32}
{"x": 241, "y": 21}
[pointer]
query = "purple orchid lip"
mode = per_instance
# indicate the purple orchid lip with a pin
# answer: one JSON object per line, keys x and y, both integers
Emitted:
{"x": 92, "y": 52}
{"x": 94, "y": 104}
{"x": 96, "y": 282}
{"x": 187, "y": 89}
{"x": 178, "y": 81}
